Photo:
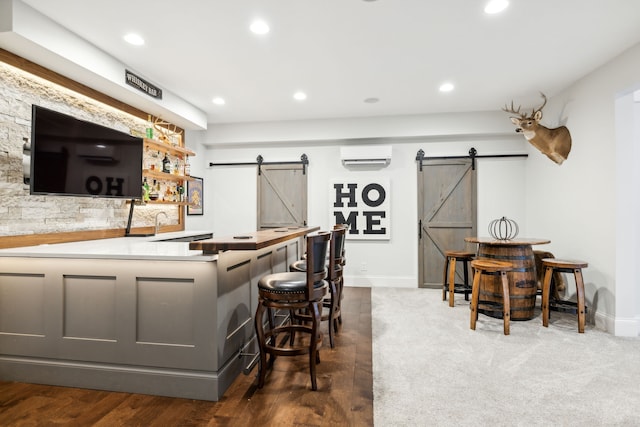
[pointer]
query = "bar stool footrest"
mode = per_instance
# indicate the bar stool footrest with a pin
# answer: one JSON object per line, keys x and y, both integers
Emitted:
{"x": 461, "y": 288}
{"x": 564, "y": 306}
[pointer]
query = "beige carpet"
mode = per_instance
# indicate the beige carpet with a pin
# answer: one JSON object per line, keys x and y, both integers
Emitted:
{"x": 430, "y": 369}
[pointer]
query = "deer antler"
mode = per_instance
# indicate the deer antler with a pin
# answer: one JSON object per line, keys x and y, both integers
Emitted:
{"x": 535, "y": 110}
{"x": 512, "y": 110}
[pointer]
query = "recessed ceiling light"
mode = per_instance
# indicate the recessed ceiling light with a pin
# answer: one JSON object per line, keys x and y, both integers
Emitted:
{"x": 446, "y": 87}
{"x": 496, "y": 6}
{"x": 371, "y": 100}
{"x": 300, "y": 96}
{"x": 134, "y": 39}
{"x": 259, "y": 27}
{"x": 218, "y": 101}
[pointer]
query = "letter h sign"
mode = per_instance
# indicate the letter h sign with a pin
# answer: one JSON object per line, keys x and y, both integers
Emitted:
{"x": 364, "y": 206}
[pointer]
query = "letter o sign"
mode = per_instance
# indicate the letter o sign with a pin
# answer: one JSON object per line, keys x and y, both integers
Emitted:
{"x": 382, "y": 195}
{"x": 93, "y": 185}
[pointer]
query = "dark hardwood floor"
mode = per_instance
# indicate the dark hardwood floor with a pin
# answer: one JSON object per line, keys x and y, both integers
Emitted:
{"x": 344, "y": 396}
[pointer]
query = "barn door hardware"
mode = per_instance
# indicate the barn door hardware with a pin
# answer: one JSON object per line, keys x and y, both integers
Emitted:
{"x": 473, "y": 155}
{"x": 304, "y": 161}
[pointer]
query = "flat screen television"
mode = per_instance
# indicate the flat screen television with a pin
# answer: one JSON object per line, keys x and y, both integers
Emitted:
{"x": 74, "y": 157}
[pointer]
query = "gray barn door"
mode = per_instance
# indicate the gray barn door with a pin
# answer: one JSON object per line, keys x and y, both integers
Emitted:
{"x": 446, "y": 212}
{"x": 282, "y": 196}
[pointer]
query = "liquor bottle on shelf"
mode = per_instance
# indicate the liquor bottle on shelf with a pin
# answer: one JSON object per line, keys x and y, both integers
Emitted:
{"x": 187, "y": 166}
{"x": 152, "y": 160}
{"x": 180, "y": 190}
{"x": 149, "y": 129}
{"x": 176, "y": 166}
{"x": 145, "y": 190}
{"x": 146, "y": 158}
{"x": 166, "y": 164}
{"x": 154, "y": 193}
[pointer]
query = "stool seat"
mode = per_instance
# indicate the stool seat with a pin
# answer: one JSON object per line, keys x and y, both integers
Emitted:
{"x": 482, "y": 266}
{"x": 449, "y": 284}
{"x": 564, "y": 263}
{"x": 460, "y": 254}
{"x": 301, "y": 266}
{"x": 491, "y": 266}
{"x": 287, "y": 282}
{"x": 552, "y": 265}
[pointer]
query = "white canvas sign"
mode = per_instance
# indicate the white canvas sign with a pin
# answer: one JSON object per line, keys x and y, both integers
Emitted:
{"x": 364, "y": 205}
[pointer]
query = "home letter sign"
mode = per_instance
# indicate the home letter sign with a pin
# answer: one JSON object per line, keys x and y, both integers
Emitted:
{"x": 364, "y": 206}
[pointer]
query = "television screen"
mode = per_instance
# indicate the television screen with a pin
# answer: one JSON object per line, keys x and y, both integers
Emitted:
{"x": 74, "y": 157}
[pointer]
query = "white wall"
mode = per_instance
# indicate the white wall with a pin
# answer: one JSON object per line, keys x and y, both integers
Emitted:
{"x": 231, "y": 194}
{"x": 194, "y": 141}
{"x": 588, "y": 206}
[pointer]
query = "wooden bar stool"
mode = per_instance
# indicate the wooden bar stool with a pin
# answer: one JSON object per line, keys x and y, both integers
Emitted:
{"x": 292, "y": 291}
{"x": 551, "y": 266}
{"x": 451, "y": 258}
{"x": 335, "y": 279}
{"x": 488, "y": 267}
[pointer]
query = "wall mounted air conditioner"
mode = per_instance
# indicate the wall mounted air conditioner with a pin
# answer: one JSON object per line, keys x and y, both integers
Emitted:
{"x": 365, "y": 155}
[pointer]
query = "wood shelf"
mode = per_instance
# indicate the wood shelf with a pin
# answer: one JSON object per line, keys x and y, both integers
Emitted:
{"x": 140, "y": 202}
{"x": 166, "y": 148}
{"x": 171, "y": 150}
{"x": 166, "y": 202}
{"x": 162, "y": 176}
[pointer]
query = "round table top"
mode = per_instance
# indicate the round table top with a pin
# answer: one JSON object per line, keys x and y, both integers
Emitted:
{"x": 512, "y": 242}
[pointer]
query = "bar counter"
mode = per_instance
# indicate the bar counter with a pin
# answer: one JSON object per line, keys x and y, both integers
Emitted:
{"x": 251, "y": 241}
{"x": 166, "y": 246}
{"x": 158, "y": 315}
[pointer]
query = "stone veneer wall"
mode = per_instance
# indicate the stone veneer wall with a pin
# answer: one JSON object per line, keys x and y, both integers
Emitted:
{"x": 22, "y": 213}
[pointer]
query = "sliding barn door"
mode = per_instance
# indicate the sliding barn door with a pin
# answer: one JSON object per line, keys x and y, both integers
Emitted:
{"x": 282, "y": 196}
{"x": 446, "y": 212}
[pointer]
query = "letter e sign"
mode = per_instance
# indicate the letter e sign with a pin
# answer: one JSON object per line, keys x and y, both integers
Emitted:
{"x": 362, "y": 204}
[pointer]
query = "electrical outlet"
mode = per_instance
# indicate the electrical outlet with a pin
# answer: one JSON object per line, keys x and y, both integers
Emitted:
{"x": 363, "y": 266}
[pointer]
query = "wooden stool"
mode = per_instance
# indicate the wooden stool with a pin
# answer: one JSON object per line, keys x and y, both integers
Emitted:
{"x": 451, "y": 258}
{"x": 335, "y": 280}
{"x": 552, "y": 265}
{"x": 501, "y": 268}
{"x": 292, "y": 291}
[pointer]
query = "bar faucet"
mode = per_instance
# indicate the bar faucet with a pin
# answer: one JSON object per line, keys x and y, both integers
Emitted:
{"x": 157, "y": 223}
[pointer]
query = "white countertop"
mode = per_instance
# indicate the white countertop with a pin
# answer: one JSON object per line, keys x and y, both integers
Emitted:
{"x": 148, "y": 247}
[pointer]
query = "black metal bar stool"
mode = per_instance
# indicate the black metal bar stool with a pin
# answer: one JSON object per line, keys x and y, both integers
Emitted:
{"x": 551, "y": 266}
{"x": 291, "y": 291}
{"x": 449, "y": 285}
{"x": 489, "y": 267}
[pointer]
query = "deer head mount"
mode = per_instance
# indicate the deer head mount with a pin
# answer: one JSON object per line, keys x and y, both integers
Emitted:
{"x": 554, "y": 143}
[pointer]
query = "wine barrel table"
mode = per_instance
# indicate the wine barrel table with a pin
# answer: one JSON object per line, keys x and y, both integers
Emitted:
{"x": 522, "y": 278}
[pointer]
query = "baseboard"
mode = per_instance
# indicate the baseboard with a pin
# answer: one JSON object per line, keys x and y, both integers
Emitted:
{"x": 132, "y": 379}
{"x": 629, "y": 327}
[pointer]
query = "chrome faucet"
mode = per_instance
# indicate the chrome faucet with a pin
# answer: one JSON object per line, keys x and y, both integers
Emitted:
{"x": 157, "y": 223}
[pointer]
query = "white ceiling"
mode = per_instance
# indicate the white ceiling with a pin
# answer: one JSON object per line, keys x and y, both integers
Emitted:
{"x": 341, "y": 52}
